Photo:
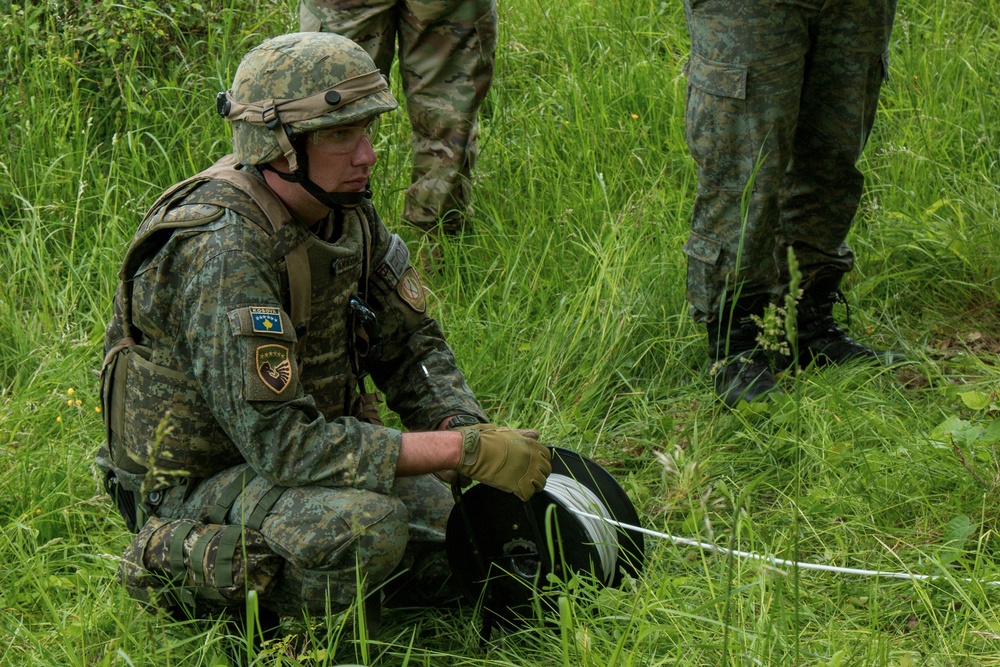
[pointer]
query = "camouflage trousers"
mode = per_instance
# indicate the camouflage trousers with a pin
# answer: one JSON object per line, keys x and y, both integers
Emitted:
{"x": 446, "y": 56}
{"x": 781, "y": 100}
{"x": 329, "y": 538}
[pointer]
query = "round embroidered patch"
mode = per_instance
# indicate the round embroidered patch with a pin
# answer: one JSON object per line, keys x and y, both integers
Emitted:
{"x": 411, "y": 291}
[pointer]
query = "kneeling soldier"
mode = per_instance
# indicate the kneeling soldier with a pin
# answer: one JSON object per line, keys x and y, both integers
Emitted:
{"x": 254, "y": 299}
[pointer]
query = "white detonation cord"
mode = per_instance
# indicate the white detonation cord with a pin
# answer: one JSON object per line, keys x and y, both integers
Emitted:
{"x": 771, "y": 560}
{"x": 577, "y": 499}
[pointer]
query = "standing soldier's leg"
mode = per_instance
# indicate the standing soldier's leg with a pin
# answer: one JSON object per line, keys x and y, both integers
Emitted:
{"x": 369, "y": 23}
{"x": 744, "y": 82}
{"x": 446, "y": 57}
{"x": 823, "y": 186}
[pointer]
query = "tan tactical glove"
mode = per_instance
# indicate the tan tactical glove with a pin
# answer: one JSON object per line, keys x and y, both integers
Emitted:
{"x": 506, "y": 459}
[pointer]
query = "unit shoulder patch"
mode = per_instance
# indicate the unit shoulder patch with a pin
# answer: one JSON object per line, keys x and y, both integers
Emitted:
{"x": 411, "y": 291}
{"x": 274, "y": 367}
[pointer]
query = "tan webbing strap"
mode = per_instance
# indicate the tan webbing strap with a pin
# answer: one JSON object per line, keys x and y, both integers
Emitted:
{"x": 114, "y": 417}
{"x": 366, "y": 262}
{"x": 300, "y": 290}
{"x": 127, "y": 341}
{"x": 369, "y": 406}
{"x": 306, "y": 108}
{"x": 275, "y": 114}
{"x": 369, "y": 401}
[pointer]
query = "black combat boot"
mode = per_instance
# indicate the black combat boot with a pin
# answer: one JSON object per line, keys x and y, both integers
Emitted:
{"x": 819, "y": 338}
{"x": 743, "y": 369}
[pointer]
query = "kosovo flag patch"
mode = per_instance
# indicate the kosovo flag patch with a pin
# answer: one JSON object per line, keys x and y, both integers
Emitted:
{"x": 274, "y": 366}
{"x": 265, "y": 320}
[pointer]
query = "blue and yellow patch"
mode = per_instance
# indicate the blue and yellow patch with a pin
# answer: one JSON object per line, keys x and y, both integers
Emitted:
{"x": 266, "y": 320}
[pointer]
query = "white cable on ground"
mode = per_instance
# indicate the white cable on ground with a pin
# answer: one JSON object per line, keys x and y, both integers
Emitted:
{"x": 771, "y": 560}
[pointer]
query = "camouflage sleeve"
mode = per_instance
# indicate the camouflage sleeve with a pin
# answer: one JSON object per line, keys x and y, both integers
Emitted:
{"x": 241, "y": 347}
{"x": 416, "y": 369}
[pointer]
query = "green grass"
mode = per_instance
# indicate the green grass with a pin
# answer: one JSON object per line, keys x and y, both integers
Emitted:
{"x": 565, "y": 306}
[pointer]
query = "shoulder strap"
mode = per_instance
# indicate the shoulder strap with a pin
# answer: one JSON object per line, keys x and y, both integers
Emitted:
{"x": 366, "y": 258}
{"x": 296, "y": 256}
{"x": 154, "y": 232}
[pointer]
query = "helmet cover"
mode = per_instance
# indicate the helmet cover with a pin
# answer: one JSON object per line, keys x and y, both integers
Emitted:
{"x": 300, "y": 82}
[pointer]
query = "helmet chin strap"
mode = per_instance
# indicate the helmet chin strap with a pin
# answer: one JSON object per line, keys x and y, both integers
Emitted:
{"x": 329, "y": 199}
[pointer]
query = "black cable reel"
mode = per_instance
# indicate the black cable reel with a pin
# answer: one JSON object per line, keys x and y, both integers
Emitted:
{"x": 502, "y": 550}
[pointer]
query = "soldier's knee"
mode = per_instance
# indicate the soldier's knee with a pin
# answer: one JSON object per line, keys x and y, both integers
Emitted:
{"x": 370, "y": 532}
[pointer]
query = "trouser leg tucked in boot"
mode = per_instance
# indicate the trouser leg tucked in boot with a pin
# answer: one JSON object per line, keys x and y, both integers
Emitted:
{"x": 820, "y": 339}
{"x": 743, "y": 369}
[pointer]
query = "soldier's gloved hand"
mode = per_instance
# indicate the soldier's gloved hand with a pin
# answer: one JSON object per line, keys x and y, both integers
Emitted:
{"x": 506, "y": 459}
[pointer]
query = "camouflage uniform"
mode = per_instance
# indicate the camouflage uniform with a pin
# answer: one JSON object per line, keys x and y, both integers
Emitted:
{"x": 211, "y": 308}
{"x": 781, "y": 95}
{"x": 446, "y": 55}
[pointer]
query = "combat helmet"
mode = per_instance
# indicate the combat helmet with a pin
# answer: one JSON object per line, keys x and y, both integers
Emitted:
{"x": 294, "y": 84}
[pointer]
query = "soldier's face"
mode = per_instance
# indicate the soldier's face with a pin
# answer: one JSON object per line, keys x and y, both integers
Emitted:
{"x": 332, "y": 166}
{"x": 337, "y": 166}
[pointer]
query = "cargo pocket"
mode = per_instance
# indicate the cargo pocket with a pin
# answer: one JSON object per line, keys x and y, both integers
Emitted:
{"x": 703, "y": 272}
{"x": 267, "y": 340}
{"x": 716, "y": 124}
{"x": 719, "y": 79}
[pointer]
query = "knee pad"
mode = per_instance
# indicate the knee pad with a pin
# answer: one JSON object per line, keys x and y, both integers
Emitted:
{"x": 188, "y": 565}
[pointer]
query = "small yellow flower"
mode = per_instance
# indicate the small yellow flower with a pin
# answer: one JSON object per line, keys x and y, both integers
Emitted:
{"x": 635, "y": 116}
{"x": 97, "y": 409}
{"x": 59, "y": 419}
{"x": 78, "y": 403}
{"x": 38, "y": 511}
{"x": 69, "y": 392}
{"x": 69, "y": 402}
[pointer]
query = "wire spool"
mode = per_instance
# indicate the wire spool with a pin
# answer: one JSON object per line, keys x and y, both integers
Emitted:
{"x": 502, "y": 549}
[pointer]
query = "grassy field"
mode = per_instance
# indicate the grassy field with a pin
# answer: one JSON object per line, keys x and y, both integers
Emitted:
{"x": 565, "y": 305}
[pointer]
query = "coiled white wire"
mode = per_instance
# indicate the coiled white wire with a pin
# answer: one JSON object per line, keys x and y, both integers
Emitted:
{"x": 592, "y": 515}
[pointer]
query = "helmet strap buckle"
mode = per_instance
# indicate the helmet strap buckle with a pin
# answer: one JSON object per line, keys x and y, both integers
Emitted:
{"x": 282, "y": 133}
{"x": 269, "y": 117}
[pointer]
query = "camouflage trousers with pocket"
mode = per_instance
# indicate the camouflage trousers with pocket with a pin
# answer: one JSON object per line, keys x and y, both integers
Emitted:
{"x": 781, "y": 100}
{"x": 329, "y": 538}
{"x": 446, "y": 51}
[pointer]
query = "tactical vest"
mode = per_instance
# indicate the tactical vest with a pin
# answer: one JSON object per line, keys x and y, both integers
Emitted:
{"x": 321, "y": 278}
